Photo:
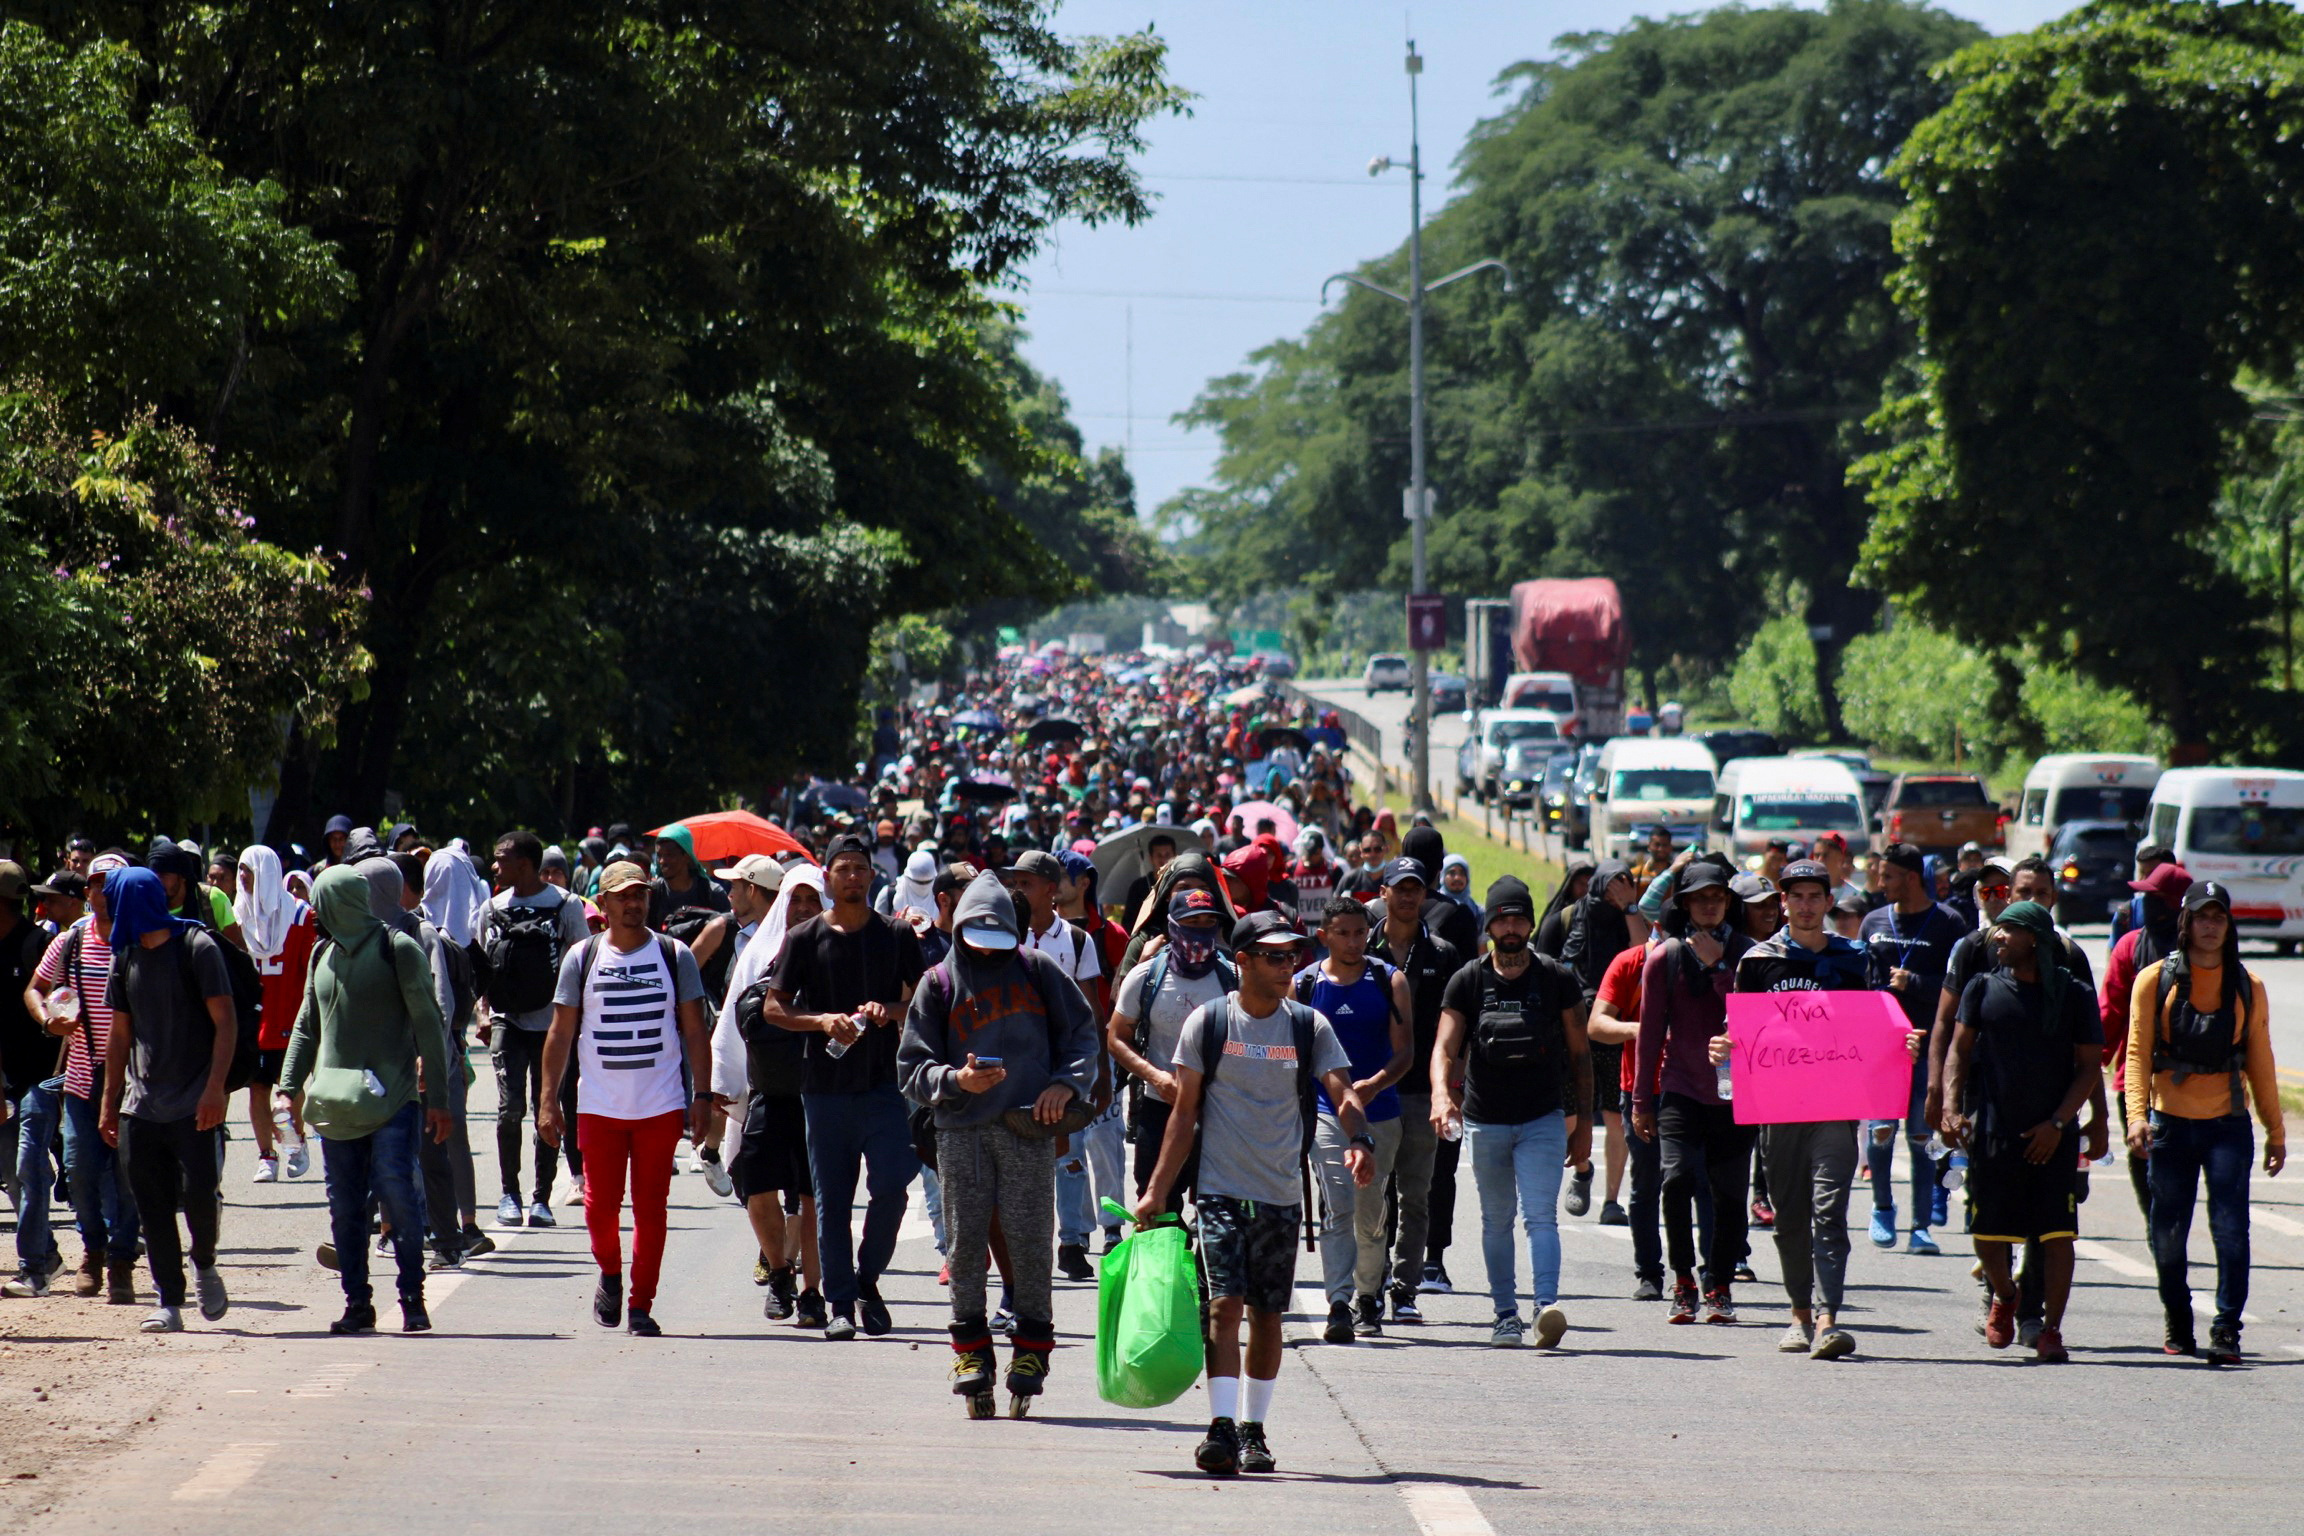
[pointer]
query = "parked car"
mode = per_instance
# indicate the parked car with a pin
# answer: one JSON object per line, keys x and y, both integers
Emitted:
{"x": 1874, "y": 781}
{"x": 2091, "y": 861}
{"x": 1275, "y": 663}
{"x": 1449, "y": 693}
{"x": 1937, "y": 812}
{"x": 1580, "y": 785}
{"x": 1565, "y": 815}
{"x": 1733, "y": 744}
{"x": 1481, "y": 758}
{"x": 1385, "y": 669}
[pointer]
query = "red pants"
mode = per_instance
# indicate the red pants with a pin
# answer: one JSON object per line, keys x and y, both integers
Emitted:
{"x": 647, "y": 1145}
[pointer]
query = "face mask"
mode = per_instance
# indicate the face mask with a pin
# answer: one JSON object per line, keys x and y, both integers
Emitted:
{"x": 1194, "y": 950}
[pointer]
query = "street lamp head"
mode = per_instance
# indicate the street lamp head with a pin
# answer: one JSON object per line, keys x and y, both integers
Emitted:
{"x": 1379, "y": 165}
{"x": 1415, "y": 59}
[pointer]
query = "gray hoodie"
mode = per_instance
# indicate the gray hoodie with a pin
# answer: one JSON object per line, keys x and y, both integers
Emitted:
{"x": 1017, "y": 1005}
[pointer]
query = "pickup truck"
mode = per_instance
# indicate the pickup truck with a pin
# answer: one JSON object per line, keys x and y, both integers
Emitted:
{"x": 1937, "y": 812}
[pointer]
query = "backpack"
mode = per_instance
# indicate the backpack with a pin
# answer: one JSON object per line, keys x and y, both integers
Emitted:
{"x": 687, "y": 924}
{"x": 1227, "y": 977}
{"x": 776, "y": 1054}
{"x": 247, "y": 1004}
{"x": 523, "y": 948}
{"x": 2191, "y": 1041}
{"x": 1303, "y": 1024}
{"x": 1517, "y": 1037}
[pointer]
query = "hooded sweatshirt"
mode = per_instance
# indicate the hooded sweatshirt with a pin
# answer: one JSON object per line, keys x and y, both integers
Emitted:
{"x": 369, "y": 1003}
{"x": 386, "y": 885}
{"x": 172, "y": 1048}
{"x": 1599, "y": 932}
{"x": 1015, "y": 1004}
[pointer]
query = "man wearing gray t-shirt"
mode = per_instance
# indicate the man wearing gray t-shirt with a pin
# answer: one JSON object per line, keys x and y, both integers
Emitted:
{"x": 1244, "y": 1085}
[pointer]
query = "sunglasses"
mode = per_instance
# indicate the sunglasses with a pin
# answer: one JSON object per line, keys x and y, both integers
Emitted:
{"x": 1272, "y": 953}
{"x": 1996, "y": 890}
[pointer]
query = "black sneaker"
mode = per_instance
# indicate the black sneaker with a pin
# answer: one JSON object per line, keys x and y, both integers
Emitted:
{"x": 782, "y": 1289}
{"x": 2223, "y": 1344}
{"x": 1436, "y": 1280}
{"x": 477, "y": 1242}
{"x": 1219, "y": 1454}
{"x": 1255, "y": 1455}
{"x": 608, "y": 1301}
{"x": 413, "y": 1317}
{"x": 1368, "y": 1317}
{"x": 1404, "y": 1308}
{"x": 1339, "y": 1330}
{"x": 872, "y": 1312}
{"x": 1072, "y": 1262}
{"x": 356, "y": 1319}
{"x": 809, "y": 1313}
{"x": 640, "y": 1325}
{"x": 1612, "y": 1215}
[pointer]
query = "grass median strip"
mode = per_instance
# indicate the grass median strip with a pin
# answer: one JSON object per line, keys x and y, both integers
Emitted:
{"x": 1491, "y": 856}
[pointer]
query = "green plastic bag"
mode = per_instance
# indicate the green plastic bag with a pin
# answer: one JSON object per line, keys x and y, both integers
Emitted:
{"x": 1148, "y": 1349}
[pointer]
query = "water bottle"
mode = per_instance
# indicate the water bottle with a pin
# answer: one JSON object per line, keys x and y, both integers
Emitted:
{"x": 1453, "y": 1128}
{"x": 1953, "y": 1162}
{"x": 835, "y": 1047}
{"x": 64, "y": 1004}
{"x": 1721, "y": 1083}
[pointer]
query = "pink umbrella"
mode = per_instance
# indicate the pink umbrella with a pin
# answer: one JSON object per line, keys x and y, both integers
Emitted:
{"x": 1252, "y": 811}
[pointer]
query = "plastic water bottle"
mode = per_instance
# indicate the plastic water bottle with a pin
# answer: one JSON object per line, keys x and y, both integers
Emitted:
{"x": 835, "y": 1047}
{"x": 64, "y": 1003}
{"x": 1453, "y": 1128}
{"x": 1953, "y": 1162}
{"x": 1722, "y": 1084}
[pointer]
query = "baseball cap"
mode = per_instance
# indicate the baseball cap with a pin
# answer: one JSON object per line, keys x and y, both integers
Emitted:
{"x": 13, "y": 880}
{"x": 2203, "y": 892}
{"x": 1404, "y": 869}
{"x": 1700, "y": 875}
{"x": 1832, "y": 840}
{"x": 1906, "y": 856}
{"x": 621, "y": 874}
{"x": 988, "y": 933}
{"x": 65, "y": 882}
{"x": 1193, "y": 902}
{"x": 1750, "y": 885}
{"x": 1779, "y": 845}
{"x": 1268, "y": 929}
{"x": 2167, "y": 881}
{"x": 1037, "y": 861}
{"x": 1995, "y": 866}
{"x": 1805, "y": 870}
{"x": 1969, "y": 847}
{"x": 759, "y": 869}
{"x": 846, "y": 842}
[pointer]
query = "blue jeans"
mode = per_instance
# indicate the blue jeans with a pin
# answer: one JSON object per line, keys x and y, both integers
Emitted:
{"x": 106, "y": 1211}
{"x": 1880, "y": 1153}
{"x": 36, "y": 1115}
{"x": 932, "y": 1194}
{"x": 845, "y": 1129}
{"x": 381, "y": 1166}
{"x": 1520, "y": 1163}
{"x": 1089, "y": 1173}
{"x": 2224, "y": 1150}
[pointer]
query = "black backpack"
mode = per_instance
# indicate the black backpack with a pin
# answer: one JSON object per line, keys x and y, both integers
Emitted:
{"x": 687, "y": 924}
{"x": 776, "y": 1054}
{"x": 1527, "y": 1036}
{"x": 247, "y": 1003}
{"x": 523, "y": 947}
{"x": 1302, "y": 1025}
{"x": 2191, "y": 1041}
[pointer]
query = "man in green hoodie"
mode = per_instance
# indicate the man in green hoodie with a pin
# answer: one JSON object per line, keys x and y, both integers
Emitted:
{"x": 369, "y": 1020}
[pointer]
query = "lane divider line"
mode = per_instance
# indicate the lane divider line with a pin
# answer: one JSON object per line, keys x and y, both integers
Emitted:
{"x": 226, "y": 1472}
{"x": 1442, "y": 1509}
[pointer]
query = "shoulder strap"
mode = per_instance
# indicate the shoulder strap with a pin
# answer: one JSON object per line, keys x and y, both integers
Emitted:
{"x": 1303, "y": 1027}
{"x": 1213, "y": 1040}
{"x": 590, "y": 950}
{"x": 1141, "y": 1036}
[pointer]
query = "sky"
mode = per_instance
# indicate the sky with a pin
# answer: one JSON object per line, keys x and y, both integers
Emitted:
{"x": 1264, "y": 191}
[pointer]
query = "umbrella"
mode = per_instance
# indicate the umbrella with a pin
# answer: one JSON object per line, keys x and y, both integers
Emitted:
{"x": 1241, "y": 698}
{"x": 1054, "y": 728}
{"x": 724, "y": 835}
{"x": 1120, "y": 858}
{"x": 990, "y": 790}
{"x": 1252, "y": 811}
{"x": 977, "y": 720}
{"x": 1283, "y": 736}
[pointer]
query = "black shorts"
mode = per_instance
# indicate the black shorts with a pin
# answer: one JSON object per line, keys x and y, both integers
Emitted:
{"x": 268, "y": 1067}
{"x": 774, "y": 1155}
{"x": 1248, "y": 1250}
{"x": 1607, "y": 1078}
{"x": 2013, "y": 1201}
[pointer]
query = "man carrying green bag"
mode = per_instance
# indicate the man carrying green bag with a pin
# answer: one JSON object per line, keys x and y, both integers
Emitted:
{"x": 1245, "y": 1071}
{"x": 1148, "y": 1348}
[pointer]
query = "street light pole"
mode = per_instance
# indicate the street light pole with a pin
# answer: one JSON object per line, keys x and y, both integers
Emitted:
{"x": 1419, "y": 499}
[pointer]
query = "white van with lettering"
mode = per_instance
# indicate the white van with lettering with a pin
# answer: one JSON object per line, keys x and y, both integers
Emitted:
{"x": 2079, "y": 786}
{"x": 1647, "y": 780}
{"x": 2244, "y": 827}
{"x": 1795, "y": 798}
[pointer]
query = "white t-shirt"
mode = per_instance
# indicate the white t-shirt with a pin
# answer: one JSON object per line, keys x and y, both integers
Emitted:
{"x": 628, "y": 1039}
{"x": 1072, "y": 948}
{"x": 1178, "y": 997}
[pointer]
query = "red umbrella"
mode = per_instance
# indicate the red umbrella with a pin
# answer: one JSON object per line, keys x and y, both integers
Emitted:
{"x": 724, "y": 835}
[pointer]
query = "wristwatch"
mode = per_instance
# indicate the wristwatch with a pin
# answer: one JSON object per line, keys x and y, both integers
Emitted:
{"x": 1363, "y": 1140}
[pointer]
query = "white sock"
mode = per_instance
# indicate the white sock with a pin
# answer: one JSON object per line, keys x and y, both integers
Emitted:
{"x": 1224, "y": 1397}
{"x": 1259, "y": 1399}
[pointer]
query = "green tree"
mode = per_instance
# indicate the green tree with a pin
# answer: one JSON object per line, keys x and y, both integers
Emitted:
{"x": 1773, "y": 683}
{"x": 2106, "y": 230}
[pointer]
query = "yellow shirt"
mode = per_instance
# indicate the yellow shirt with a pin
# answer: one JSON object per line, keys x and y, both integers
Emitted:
{"x": 2204, "y": 1095}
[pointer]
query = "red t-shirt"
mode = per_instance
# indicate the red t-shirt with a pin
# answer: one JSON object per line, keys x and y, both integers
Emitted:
{"x": 1620, "y": 989}
{"x": 283, "y": 977}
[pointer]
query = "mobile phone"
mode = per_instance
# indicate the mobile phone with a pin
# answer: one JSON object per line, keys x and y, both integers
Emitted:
{"x": 987, "y": 1061}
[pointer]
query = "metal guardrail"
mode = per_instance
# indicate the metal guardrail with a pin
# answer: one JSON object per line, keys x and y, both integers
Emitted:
{"x": 1359, "y": 730}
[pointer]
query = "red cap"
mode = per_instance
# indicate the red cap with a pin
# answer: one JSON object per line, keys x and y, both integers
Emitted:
{"x": 2167, "y": 881}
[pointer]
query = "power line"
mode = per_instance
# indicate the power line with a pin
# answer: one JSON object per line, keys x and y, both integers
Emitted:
{"x": 1196, "y": 298}
{"x": 1366, "y": 182}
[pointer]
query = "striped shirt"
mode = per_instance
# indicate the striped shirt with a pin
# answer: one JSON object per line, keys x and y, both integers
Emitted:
{"x": 628, "y": 1040}
{"x": 85, "y": 963}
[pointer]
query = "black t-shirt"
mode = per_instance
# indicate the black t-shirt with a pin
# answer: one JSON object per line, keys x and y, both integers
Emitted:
{"x": 825, "y": 970}
{"x": 2022, "y": 1064}
{"x": 1971, "y": 958}
{"x": 1511, "y": 1018}
{"x": 663, "y": 901}
{"x": 27, "y": 1052}
{"x": 1428, "y": 965}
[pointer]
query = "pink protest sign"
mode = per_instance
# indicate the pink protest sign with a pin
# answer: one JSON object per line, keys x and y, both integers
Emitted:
{"x": 1818, "y": 1056}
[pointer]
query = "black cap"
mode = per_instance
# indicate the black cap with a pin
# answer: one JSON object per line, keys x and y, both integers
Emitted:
{"x": 1404, "y": 868}
{"x": 1808, "y": 870}
{"x": 1700, "y": 875}
{"x": 1192, "y": 901}
{"x": 846, "y": 842}
{"x": 64, "y": 882}
{"x": 1750, "y": 886}
{"x": 2202, "y": 892}
{"x": 1852, "y": 905}
{"x": 1508, "y": 897}
{"x": 1906, "y": 856}
{"x": 952, "y": 877}
{"x": 1037, "y": 861}
{"x": 1263, "y": 928}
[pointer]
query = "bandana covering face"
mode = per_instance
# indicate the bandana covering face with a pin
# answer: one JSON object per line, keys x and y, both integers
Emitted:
{"x": 1194, "y": 949}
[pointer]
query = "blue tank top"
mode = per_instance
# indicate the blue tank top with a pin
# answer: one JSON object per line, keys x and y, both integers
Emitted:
{"x": 1361, "y": 1015}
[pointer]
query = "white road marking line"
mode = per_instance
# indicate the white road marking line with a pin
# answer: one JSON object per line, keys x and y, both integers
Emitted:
{"x": 2114, "y": 1260}
{"x": 224, "y": 1473}
{"x": 2276, "y": 1221}
{"x": 915, "y": 1226}
{"x": 1440, "y": 1509}
{"x": 1617, "y": 1234}
{"x": 329, "y": 1380}
{"x": 2294, "y": 1349}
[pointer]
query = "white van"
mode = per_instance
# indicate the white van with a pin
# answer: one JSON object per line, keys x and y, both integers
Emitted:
{"x": 1644, "y": 780}
{"x": 1553, "y": 691}
{"x": 2079, "y": 786}
{"x": 2244, "y": 827}
{"x": 1796, "y": 798}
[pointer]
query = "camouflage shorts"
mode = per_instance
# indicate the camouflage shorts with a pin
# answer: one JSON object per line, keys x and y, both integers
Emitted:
{"x": 1248, "y": 1250}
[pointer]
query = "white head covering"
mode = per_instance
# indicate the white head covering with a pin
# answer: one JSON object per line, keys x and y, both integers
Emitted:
{"x": 266, "y": 908}
{"x": 453, "y": 896}
{"x": 778, "y": 923}
{"x": 731, "y": 1064}
{"x": 917, "y": 889}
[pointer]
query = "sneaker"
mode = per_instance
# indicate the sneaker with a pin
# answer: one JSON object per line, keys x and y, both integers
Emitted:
{"x": 1435, "y": 1282}
{"x": 208, "y": 1286}
{"x": 761, "y": 1270}
{"x": 608, "y": 1301}
{"x": 299, "y": 1161}
{"x": 2049, "y": 1348}
{"x": 1719, "y": 1306}
{"x": 1883, "y": 1227}
{"x": 783, "y": 1289}
{"x": 1648, "y": 1290}
{"x": 872, "y": 1311}
{"x": 1368, "y": 1317}
{"x": 1763, "y": 1214}
{"x": 2179, "y": 1341}
{"x": 356, "y": 1319}
{"x": 164, "y": 1319}
{"x": 809, "y": 1311}
{"x": 1922, "y": 1243}
{"x": 2223, "y": 1344}
{"x": 695, "y": 1160}
{"x": 1112, "y": 1240}
{"x": 1339, "y": 1329}
{"x": 1508, "y": 1332}
{"x": 413, "y": 1317}
{"x": 1003, "y": 1323}
{"x": 28, "y": 1283}
{"x": 325, "y": 1255}
{"x": 841, "y": 1327}
{"x": 444, "y": 1257}
{"x": 1799, "y": 1338}
{"x": 2028, "y": 1331}
{"x": 540, "y": 1215}
{"x": 477, "y": 1242}
{"x": 2000, "y": 1324}
{"x": 1072, "y": 1262}
{"x": 1939, "y": 1206}
{"x": 944, "y": 1273}
{"x": 716, "y": 1177}
{"x": 1551, "y": 1323}
{"x": 1579, "y": 1192}
{"x": 508, "y": 1212}
{"x": 267, "y": 1171}
{"x": 1255, "y": 1455}
{"x": 1404, "y": 1308}
{"x": 642, "y": 1326}
{"x": 1612, "y": 1215}
{"x": 1683, "y": 1304}
{"x": 1219, "y": 1454}
{"x": 1833, "y": 1344}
